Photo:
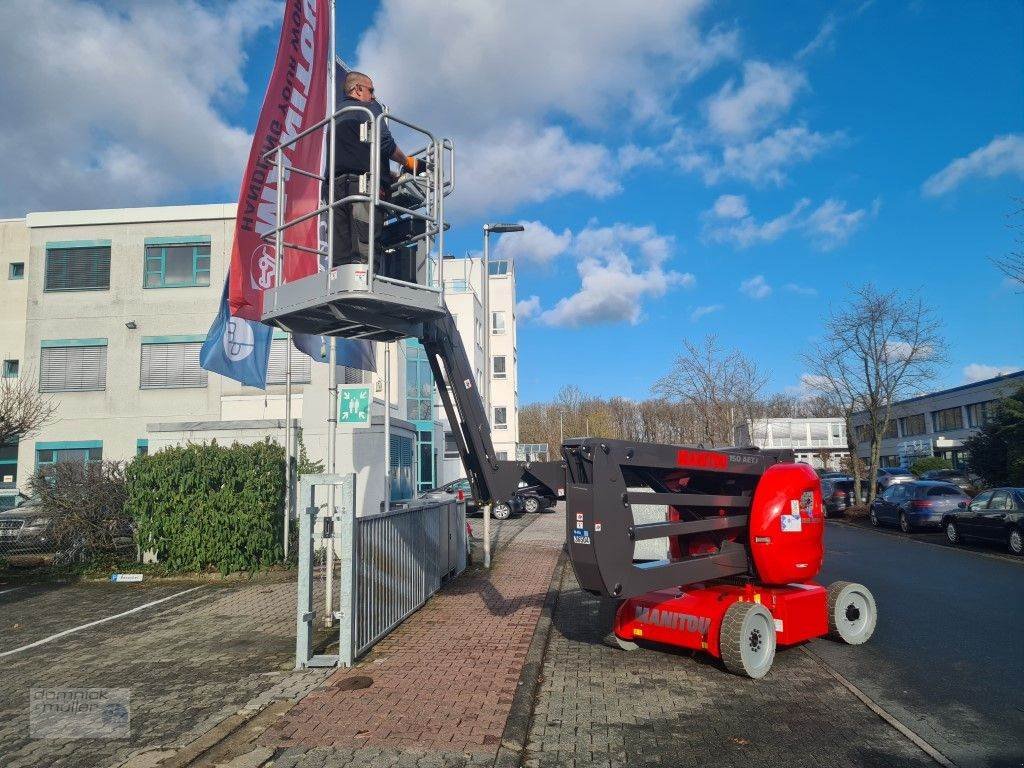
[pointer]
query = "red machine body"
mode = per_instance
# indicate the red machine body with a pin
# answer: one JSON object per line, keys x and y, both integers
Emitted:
{"x": 692, "y": 618}
{"x": 786, "y": 544}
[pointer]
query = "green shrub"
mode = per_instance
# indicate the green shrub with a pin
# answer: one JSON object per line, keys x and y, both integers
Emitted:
{"x": 928, "y": 463}
{"x": 206, "y": 506}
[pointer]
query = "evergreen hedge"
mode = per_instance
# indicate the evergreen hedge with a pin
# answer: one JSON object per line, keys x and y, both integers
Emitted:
{"x": 207, "y": 506}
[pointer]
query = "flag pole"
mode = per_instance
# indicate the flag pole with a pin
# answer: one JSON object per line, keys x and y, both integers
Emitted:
{"x": 289, "y": 442}
{"x": 332, "y": 354}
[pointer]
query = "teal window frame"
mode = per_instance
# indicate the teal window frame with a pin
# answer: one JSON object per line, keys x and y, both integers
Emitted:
{"x": 142, "y": 447}
{"x": 154, "y": 260}
{"x": 11, "y": 369}
{"x": 56, "y": 449}
{"x": 68, "y": 245}
{"x": 16, "y": 270}
{"x": 9, "y": 464}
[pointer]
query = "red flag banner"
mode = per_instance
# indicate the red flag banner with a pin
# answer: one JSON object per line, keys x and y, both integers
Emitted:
{"x": 296, "y": 98}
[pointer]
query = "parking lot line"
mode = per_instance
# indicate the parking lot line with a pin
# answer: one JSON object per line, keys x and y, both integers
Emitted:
{"x": 104, "y": 620}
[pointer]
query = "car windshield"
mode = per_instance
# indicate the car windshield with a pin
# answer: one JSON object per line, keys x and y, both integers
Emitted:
{"x": 944, "y": 490}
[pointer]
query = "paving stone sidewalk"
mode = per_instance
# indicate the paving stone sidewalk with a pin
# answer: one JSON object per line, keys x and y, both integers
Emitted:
{"x": 441, "y": 686}
{"x": 598, "y": 705}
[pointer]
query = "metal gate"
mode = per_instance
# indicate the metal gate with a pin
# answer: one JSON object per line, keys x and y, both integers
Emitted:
{"x": 387, "y": 564}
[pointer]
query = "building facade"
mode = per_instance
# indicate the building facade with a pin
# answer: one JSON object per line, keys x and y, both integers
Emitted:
{"x": 820, "y": 442}
{"x": 936, "y": 424}
{"x": 106, "y": 311}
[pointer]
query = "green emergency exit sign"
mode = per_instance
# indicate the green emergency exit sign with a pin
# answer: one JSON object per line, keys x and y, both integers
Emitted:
{"x": 354, "y": 405}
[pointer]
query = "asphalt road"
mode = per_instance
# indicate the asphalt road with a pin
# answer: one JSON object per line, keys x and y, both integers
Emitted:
{"x": 947, "y": 657}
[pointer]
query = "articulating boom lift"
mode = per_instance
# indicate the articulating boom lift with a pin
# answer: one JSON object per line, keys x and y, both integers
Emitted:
{"x": 744, "y": 527}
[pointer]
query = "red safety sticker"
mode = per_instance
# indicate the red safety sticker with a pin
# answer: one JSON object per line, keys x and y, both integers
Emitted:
{"x": 708, "y": 459}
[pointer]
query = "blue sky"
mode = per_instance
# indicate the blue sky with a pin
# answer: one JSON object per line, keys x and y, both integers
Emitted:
{"x": 665, "y": 157}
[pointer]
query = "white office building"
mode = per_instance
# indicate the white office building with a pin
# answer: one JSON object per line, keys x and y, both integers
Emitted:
{"x": 936, "y": 424}
{"x": 820, "y": 442}
{"x": 106, "y": 311}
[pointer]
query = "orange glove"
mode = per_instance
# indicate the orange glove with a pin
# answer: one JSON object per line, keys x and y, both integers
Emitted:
{"x": 415, "y": 166}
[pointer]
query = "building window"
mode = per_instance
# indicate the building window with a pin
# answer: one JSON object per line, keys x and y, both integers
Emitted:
{"x": 401, "y": 468}
{"x": 354, "y": 375}
{"x": 73, "y": 365}
{"x": 142, "y": 447}
{"x": 451, "y": 448}
{"x": 9, "y": 465}
{"x": 479, "y": 333}
{"x": 500, "y": 417}
{"x": 419, "y": 383}
{"x": 77, "y": 267}
{"x": 16, "y": 270}
{"x": 497, "y": 268}
{"x": 177, "y": 265}
{"x": 913, "y": 425}
{"x": 499, "y": 367}
{"x": 502, "y": 455}
{"x": 948, "y": 418}
{"x": 171, "y": 363}
{"x": 497, "y": 322}
{"x": 277, "y": 367}
{"x": 90, "y": 452}
{"x": 978, "y": 414}
{"x": 425, "y": 447}
{"x": 10, "y": 369}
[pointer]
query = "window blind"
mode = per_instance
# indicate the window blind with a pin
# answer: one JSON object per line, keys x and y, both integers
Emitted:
{"x": 172, "y": 366}
{"x": 73, "y": 369}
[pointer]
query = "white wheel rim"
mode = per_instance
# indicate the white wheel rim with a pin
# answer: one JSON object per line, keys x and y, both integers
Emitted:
{"x": 853, "y": 614}
{"x": 1016, "y": 544}
{"x": 951, "y": 532}
{"x": 757, "y": 642}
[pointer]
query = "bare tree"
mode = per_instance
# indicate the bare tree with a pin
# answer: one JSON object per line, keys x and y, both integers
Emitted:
{"x": 878, "y": 349}
{"x": 720, "y": 386}
{"x": 1012, "y": 264}
{"x": 23, "y": 409}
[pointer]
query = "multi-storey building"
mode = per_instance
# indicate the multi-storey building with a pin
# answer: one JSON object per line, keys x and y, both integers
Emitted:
{"x": 819, "y": 442}
{"x": 936, "y": 424}
{"x": 107, "y": 310}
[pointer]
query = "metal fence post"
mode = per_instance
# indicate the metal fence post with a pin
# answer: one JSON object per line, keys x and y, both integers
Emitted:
{"x": 304, "y": 612}
{"x": 345, "y": 539}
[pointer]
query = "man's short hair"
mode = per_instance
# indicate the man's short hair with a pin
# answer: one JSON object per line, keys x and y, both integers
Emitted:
{"x": 352, "y": 79}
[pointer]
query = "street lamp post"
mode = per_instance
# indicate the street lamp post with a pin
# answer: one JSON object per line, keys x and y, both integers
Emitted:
{"x": 485, "y": 288}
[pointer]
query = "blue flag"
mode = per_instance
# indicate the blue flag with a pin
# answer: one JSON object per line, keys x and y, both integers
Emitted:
{"x": 237, "y": 348}
{"x": 354, "y": 353}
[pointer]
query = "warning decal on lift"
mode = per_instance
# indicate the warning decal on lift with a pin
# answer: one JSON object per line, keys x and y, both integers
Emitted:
{"x": 580, "y": 536}
{"x": 791, "y": 523}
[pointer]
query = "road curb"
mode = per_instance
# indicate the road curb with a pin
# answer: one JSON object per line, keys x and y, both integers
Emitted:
{"x": 900, "y": 536}
{"x": 517, "y": 726}
{"x": 867, "y": 701}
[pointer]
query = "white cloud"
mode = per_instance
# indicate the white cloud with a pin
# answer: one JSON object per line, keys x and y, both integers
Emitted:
{"x": 766, "y": 93}
{"x": 828, "y": 226}
{"x": 537, "y": 244}
{"x": 120, "y": 106}
{"x": 810, "y": 384}
{"x": 528, "y": 308}
{"x": 700, "y": 312}
{"x": 765, "y": 160}
{"x": 756, "y": 287}
{"x": 730, "y": 207}
{"x": 511, "y": 72}
{"x": 619, "y": 266}
{"x": 821, "y": 39}
{"x": 800, "y": 290}
{"x": 1001, "y": 156}
{"x": 980, "y": 372}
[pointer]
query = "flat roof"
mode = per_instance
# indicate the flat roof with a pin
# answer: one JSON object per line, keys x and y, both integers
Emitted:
{"x": 153, "y": 214}
{"x": 961, "y": 388}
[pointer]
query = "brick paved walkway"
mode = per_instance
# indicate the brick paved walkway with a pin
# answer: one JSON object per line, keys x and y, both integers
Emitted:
{"x": 442, "y": 684}
{"x": 601, "y": 706}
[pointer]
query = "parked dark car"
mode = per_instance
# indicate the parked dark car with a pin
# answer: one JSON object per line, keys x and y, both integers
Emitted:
{"x": 536, "y": 498}
{"x": 996, "y": 515}
{"x": 917, "y": 504}
{"x": 831, "y": 475}
{"x": 957, "y": 478}
{"x": 501, "y": 511}
{"x": 28, "y": 533}
{"x": 837, "y": 494}
{"x": 888, "y": 476}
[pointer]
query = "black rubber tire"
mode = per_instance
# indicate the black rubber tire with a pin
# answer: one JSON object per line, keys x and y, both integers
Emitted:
{"x": 747, "y": 640}
{"x": 501, "y": 511}
{"x": 531, "y": 504}
{"x": 905, "y": 525}
{"x": 1015, "y": 542}
{"x": 873, "y": 519}
{"x": 952, "y": 532}
{"x": 844, "y": 596}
